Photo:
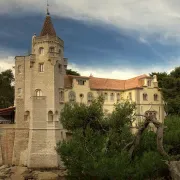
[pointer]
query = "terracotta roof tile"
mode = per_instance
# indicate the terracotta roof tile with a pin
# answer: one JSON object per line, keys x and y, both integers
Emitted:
{"x": 108, "y": 84}
{"x": 6, "y": 110}
{"x": 48, "y": 27}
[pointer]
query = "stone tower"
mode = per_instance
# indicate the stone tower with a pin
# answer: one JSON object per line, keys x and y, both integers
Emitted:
{"x": 39, "y": 98}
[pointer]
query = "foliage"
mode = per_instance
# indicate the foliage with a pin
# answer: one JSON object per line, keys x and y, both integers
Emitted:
{"x": 97, "y": 147}
{"x": 160, "y": 77}
{"x": 172, "y": 135}
{"x": 71, "y": 72}
{"x": 6, "y": 89}
{"x": 170, "y": 87}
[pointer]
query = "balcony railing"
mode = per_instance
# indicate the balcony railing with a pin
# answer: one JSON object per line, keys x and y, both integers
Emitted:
{"x": 38, "y": 97}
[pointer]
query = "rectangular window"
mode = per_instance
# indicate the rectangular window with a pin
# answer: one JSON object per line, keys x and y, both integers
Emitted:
{"x": 41, "y": 67}
{"x": 130, "y": 96}
{"x": 149, "y": 82}
{"x": 81, "y": 82}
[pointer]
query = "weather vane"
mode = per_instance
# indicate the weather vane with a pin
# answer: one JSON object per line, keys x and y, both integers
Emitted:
{"x": 47, "y": 8}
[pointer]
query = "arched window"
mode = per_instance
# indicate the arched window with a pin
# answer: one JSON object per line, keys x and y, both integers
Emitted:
{"x": 89, "y": 97}
{"x": 19, "y": 69}
{"x": 56, "y": 116}
{"x": 118, "y": 97}
{"x": 38, "y": 92}
{"x": 72, "y": 96}
{"x": 130, "y": 95}
{"x": 106, "y": 96}
{"x": 50, "y": 116}
{"x": 112, "y": 96}
{"x": 149, "y": 82}
{"x": 155, "y": 97}
{"x": 81, "y": 96}
{"x": 60, "y": 68}
{"x": 51, "y": 49}
{"x": 19, "y": 92}
{"x": 145, "y": 97}
{"x": 150, "y": 113}
{"x": 41, "y": 50}
{"x": 61, "y": 96}
{"x": 26, "y": 116}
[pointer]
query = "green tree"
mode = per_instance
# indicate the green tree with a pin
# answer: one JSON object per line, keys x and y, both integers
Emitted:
{"x": 97, "y": 148}
{"x": 170, "y": 88}
{"x": 6, "y": 89}
{"x": 172, "y": 136}
{"x": 160, "y": 77}
{"x": 71, "y": 72}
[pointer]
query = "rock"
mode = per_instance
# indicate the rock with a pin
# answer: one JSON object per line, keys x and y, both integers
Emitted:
{"x": 174, "y": 167}
{"x": 3, "y": 167}
{"x": 18, "y": 172}
{"x": 3, "y": 175}
{"x": 45, "y": 175}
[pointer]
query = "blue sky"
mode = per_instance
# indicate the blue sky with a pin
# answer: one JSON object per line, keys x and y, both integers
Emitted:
{"x": 118, "y": 39}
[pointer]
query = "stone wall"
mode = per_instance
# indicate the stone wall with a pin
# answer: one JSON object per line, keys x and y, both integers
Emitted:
{"x": 7, "y": 135}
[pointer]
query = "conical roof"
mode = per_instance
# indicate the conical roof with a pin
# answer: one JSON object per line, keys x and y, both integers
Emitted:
{"x": 48, "y": 28}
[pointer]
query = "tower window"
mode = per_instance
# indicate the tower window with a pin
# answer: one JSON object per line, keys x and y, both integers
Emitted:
{"x": 50, "y": 116}
{"x": 61, "y": 96}
{"x": 145, "y": 97}
{"x": 59, "y": 51}
{"x": 60, "y": 68}
{"x": 51, "y": 49}
{"x": 155, "y": 97}
{"x": 19, "y": 91}
{"x": 38, "y": 92}
{"x": 41, "y": 67}
{"x": 26, "y": 115}
{"x": 41, "y": 50}
{"x": 19, "y": 69}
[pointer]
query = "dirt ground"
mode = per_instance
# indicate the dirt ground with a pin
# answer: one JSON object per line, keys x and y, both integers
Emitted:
{"x": 23, "y": 173}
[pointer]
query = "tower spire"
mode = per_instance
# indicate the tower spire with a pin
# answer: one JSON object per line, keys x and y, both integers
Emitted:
{"x": 48, "y": 28}
{"x": 48, "y": 8}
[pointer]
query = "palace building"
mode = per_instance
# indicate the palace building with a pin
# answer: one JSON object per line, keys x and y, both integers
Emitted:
{"x": 41, "y": 89}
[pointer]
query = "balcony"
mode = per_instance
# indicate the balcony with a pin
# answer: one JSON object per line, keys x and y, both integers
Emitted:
{"x": 38, "y": 97}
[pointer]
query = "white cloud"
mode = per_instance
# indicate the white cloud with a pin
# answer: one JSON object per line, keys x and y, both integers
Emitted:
{"x": 119, "y": 72}
{"x": 7, "y": 63}
{"x": 145, "y": 16}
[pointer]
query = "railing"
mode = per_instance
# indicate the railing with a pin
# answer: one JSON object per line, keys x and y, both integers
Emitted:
{"x": 6, "y": 121}
{"x": 38, "y": 97}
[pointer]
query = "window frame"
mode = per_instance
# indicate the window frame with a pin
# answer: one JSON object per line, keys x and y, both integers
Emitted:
{"x": 70, "y": 95}
{"x": 41, "y": 51}
{"x": 38, "y": 92}
{"x": 41, "y": 67}
{"x": 112, "y": 96}
{"x": 145, "y": 97}
{"x": 155, "y": 97}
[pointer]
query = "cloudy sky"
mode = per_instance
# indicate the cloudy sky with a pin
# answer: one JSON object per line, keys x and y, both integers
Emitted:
{"x": 113, "y": 39}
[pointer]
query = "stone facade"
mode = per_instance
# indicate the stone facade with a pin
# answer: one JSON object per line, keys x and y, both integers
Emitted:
{"x": 41, "y": 89}
{"x": 39, "y": 79}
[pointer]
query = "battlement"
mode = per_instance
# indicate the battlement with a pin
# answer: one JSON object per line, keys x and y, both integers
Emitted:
{"x": 40, "y": 39}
